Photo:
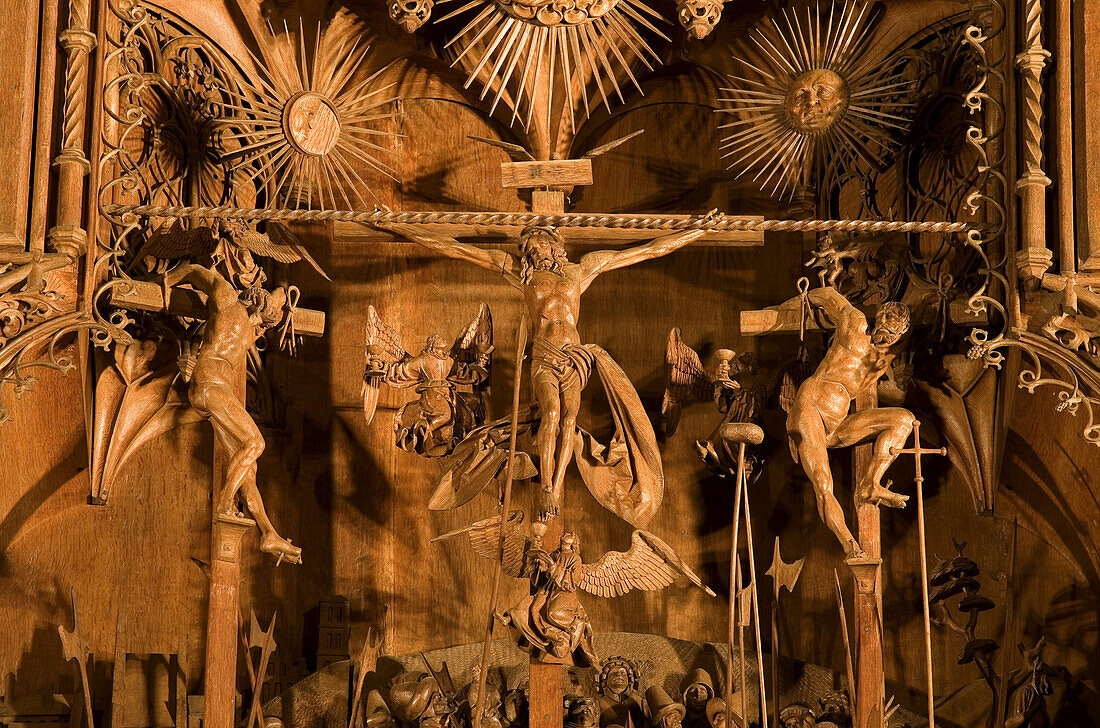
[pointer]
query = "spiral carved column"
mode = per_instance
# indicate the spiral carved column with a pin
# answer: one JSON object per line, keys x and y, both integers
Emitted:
{"x": 1034, "y": 257}
{"x": 68, "y": 236}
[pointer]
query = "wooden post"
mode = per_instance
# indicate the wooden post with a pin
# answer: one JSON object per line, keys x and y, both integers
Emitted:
{"x": 224, "y": 606}
{"x": 546, "y": 703}
{"x": 870, "y": 706}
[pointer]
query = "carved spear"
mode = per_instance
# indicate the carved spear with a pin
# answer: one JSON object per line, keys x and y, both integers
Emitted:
{"x": 847, "y": 641}
{"x": 505, "y": 509}
{"x": 73, "y": 647}
{"x": 265, "y": 640}
{"x": 916, "y": 451}
{"x": 784, "y": 576}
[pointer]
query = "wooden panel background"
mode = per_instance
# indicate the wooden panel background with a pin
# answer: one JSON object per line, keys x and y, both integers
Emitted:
{"x": 356, "y": 504}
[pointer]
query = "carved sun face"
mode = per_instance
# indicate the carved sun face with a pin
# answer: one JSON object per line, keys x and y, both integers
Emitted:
{"x": 816, "y": 100}
{"x": 813, "y": 89}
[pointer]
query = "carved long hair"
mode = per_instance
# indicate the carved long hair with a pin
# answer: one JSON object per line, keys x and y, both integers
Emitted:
{"x": 557, "y": 256}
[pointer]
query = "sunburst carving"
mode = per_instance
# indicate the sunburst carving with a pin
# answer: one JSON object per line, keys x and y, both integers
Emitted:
{"x": 814, "y": 89}
{"x": 516, "y": 47}
{"x": 302, "y": 127}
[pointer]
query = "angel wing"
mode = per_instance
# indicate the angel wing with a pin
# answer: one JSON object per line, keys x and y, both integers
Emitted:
{"x": 382, "y": 345}
{"x": 685, "y": 380}
{"x": 485, "y": 537}
{"x": 277, "y": 243}
{"x": 171, "y": 240}
{"x": 476, "y": 338}
{"x": 650, "y": 564}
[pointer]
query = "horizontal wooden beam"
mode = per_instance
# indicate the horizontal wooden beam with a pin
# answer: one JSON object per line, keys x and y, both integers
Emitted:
{"x": 574, "y": 235}
{"x": 148, "y": 296}
{"x": 786, "y": 318}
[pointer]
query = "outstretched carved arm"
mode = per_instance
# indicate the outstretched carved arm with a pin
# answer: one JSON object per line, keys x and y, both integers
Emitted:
{"x": 494, "y": 260}
{"x": 602, "y": 261}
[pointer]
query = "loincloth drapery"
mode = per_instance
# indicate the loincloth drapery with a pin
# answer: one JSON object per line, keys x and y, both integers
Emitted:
{"x": 624, "y": 475}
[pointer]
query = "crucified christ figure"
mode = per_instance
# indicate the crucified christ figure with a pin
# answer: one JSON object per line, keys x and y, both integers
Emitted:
{"x": 819, "y": 417}
{"x": 552, "y": 286}
{"x": 233, "y": 321}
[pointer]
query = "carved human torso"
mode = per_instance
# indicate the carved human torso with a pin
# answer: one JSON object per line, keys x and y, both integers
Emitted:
{"x": 553, "y": 302}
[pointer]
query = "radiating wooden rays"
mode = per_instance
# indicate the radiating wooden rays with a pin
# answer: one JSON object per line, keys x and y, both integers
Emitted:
{"x": 813, "y": 90}
{"x": 523, "y": 55}
{"x": 302, "y": 128}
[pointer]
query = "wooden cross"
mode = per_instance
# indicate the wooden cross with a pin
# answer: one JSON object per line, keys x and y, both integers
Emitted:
{"x": 227, "y": 530}
{"x": 870, "y": 692}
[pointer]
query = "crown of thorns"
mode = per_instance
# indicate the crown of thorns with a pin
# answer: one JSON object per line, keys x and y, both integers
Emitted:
{"x": 546, "y": 230}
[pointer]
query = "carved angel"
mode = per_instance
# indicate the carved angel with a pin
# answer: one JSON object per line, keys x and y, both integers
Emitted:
{"x": 551, "y": 624}
{"x": 433, "y": 424}
{"x": 232, "y": 242}
{"x": 732, "y": 387}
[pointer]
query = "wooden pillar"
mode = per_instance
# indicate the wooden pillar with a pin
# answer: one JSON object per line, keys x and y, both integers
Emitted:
{"x": 1034, "y": 257}
{"x": 546, "y": 702}
{"x": 223, "y": 608}
{"x": 68, "y": 236}
{"x": 870, "y": 684}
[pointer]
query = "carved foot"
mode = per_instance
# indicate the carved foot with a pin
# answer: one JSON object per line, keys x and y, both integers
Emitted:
{"x": 278, "y": 546}
{"x": 853, "y": 551}
{"x": 880, "y": 495}
{"x": 547, "y": 505}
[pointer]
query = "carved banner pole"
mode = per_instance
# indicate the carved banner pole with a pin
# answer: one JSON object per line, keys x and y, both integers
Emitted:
{"x": 1034, "y": 257}
{"x": 68, "y": 236}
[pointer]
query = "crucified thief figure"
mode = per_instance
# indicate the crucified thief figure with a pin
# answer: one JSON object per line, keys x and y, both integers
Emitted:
{"x": 819, "y": 416}
{"x": 233, "y": 322}
{"x": 552, "y": 286}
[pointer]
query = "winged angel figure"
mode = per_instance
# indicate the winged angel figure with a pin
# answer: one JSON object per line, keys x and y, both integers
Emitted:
{"x": 231, "y": 242}
{"x": 551, "y": 624}
{"x": 433, "y": 424}
{"x": 733, "y": 387}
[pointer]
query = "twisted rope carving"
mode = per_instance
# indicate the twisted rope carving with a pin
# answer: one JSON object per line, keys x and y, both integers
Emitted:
{"x": 620, "y": 222}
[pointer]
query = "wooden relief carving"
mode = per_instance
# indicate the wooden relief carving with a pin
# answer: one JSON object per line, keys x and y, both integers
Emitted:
{"x": 551, "y": 624}
{"x": 442, "y": 416}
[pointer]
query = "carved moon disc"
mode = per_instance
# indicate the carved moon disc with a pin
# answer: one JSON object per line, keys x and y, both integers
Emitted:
{"x": 311, "y": 124}
{"x": 816, "y": 100}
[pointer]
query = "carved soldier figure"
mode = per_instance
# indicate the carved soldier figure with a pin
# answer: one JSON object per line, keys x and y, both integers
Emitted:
{"x": 819, "y": 416}
{"x": 233, "y": 322}
{"x": 664, "y": 713}
{"x": 552, "y": 287}
{"x": 620, "y": 701}
{"x": 698, "y": 690}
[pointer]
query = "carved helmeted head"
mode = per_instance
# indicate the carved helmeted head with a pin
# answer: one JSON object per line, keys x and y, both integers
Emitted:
{"x": 410, "y": 14}
{"x": 891, "y": 323}
{"x": 699, "y": 17}
{"x": 541, "y": 248}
